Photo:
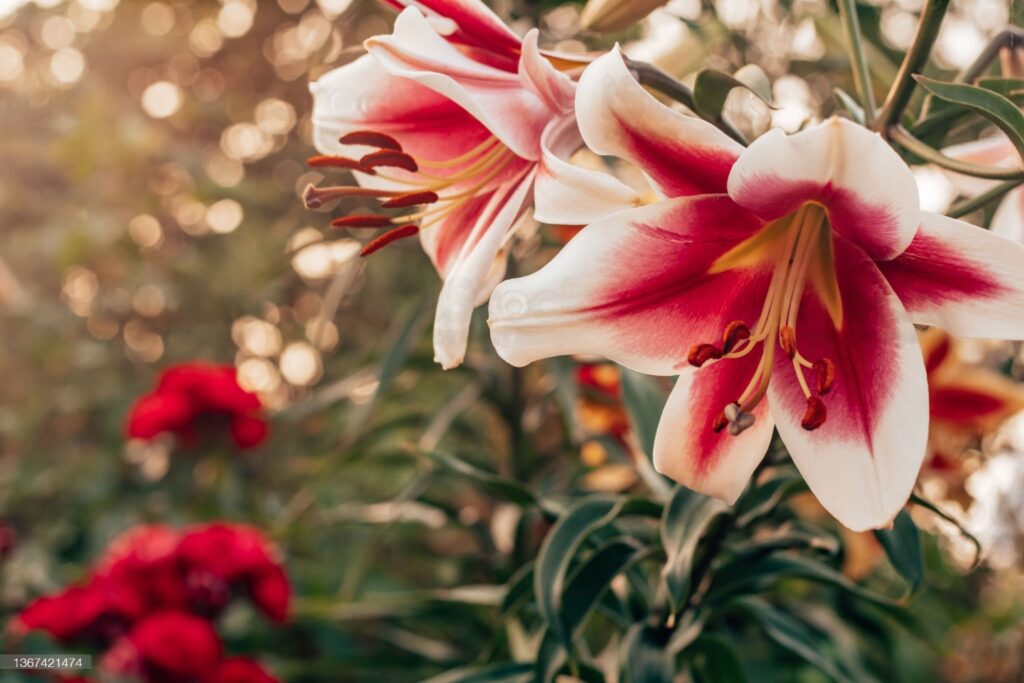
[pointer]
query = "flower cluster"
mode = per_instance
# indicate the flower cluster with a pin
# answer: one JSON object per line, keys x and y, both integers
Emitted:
{"x": 152, "y": 597}
{"x": 192, "y": 399}
{"x": 780, "y": 282}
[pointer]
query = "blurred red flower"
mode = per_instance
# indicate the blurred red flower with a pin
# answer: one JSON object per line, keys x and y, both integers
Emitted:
{"x": 240, "y": 557}
{"x": 152, "y": 569}
{"x": 166, "y": 647}
{"x": 190, "y": 398}
{"x": 239, "y": 670}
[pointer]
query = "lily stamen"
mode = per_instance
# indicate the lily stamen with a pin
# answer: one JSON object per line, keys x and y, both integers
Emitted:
{"x": 471, "y": 173}
{"x": 792, "y": 242}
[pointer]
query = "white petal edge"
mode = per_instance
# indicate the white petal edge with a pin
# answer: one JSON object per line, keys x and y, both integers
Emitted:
{"x": 867, "y": 490}
{"x": 567, "y": 194}
{"x": 473, "y": 270}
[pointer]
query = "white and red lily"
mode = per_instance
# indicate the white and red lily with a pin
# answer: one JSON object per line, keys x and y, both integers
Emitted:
{"x": 1008, "y": 220}
{"x": 458, "y": 121}
{"x": 781, "y": 283}
{"x": 996, "y": 150}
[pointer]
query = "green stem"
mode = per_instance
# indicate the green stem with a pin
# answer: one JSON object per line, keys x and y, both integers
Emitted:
{"x": 1005, "y": 38}
{"x": 1008, "y": 37}
{"x": 902, "y": 136}
{"x": 974, "y": 203}
{"x": 913, "y": 63}
{"x": 858, "y": 60}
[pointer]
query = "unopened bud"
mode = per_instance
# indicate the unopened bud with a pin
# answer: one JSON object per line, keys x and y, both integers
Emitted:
{"x": 615, "y": 15}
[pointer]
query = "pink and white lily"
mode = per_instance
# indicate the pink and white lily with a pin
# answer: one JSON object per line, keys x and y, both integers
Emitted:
{"x": 1008, "y": 219}
{"x": 457, "y": 123}
{"x": 781, "y": 282}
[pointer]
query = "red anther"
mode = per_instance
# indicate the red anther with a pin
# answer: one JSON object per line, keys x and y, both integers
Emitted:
{"x": 337, "y": 162}
{"x": 720, "y": 422}
{"x": 368, "y": 220}
{"x": 370, "y": 138}
{"x": 825, "y": 370}
{"x": 411, "y": 199}
{"x": 702, "y": 353}
{"x": 787, "y": 340}
{"x": 389, "y": 237}
{"x": 735, "y": 332}
{"x": 815, "y": 414}
{"x": 389, "y": 158}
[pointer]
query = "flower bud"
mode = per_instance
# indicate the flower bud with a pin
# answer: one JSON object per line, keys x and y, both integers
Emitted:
{"x": 615, "y": 15}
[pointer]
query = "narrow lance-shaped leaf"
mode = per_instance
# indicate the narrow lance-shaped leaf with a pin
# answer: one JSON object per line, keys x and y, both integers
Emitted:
{"x": 995, "y": 107}
{"x": 714, "y": 660}
{"x": 644, "y": 657}
{"x": 592, "y": 578}
{"x": 902, "y": 544}
{"x": 686, "y": 518}
{"x": 712, "y": 87}
{"x": 505, "y": 672}
{"x": 557, "y": 552}
{"x": 644, "y": 401}
{"x": 790, "y": 633}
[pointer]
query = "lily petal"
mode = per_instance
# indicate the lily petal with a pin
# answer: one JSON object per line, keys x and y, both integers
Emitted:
{"x": 634, "y": 287}
{"x": 363, "y": 96}
{"x": 868, "y": 191}
{"x": 976, "y": 399}
{"x": 996, "y": 150}
{"x": 566, "y": 194}
{"x": 497, "y": 98}
{"x": 472, "y": 272}
{"x": 552, "y": 86}
{"x": 682, "y": 155}
{"x": 476, "y": 24}
{"x": 862, "y": 462}
{"x": 961, "y": 278}
{"x": 1008, "y": 220}
{"x": 690, "y": 451}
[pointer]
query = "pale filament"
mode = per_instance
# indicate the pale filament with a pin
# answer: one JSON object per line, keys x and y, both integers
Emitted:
{"x": 793, "y": 261}
{"x": 492, "y": 158}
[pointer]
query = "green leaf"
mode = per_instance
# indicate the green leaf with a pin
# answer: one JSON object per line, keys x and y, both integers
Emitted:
{"x": 995, "y": 107}
{"x": 557, "y": 553}
{"x": 591, "y": 580}
{"x": 715, "y": 661}
{"x": 518, "y": 591}
{"x": 791, "y": 536}
{"x": 764, "y": 498}
{"x": 687, "y": 516}
{"x": 496, "y": 485}
{"x": 505, "y": 672}
{"x": 644, "y": 657}
{"x": 644, "y": 401}
{"x": 849, "y": 104}
{"x": 789, "y": 633}
{"x": 712, "y": 87}
{"x": 552, "y": 660}
{"x": 745, "y": 576}
{"x": 902, "y": 544}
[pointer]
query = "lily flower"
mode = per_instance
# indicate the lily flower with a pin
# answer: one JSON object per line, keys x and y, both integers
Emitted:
{"x": 780, "y": 283}
{"x": 967, "y": 401}
{"x": 997, "y": 150}
{"x": 455, "y": 124}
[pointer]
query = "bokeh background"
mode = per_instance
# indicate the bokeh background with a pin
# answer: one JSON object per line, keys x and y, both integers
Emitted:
{"x": 151, "y": 159}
